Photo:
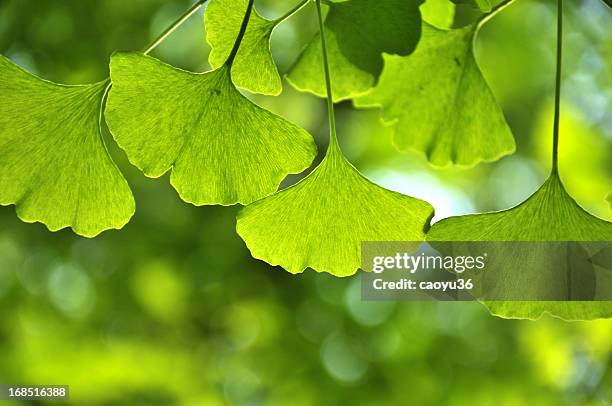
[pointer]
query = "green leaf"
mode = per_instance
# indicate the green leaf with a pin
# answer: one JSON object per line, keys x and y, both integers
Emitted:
{"x": 608, "y": 3}
{"x": 482, "y": 5}
{"x": 55, "y": 167}
{"x": 439, "y": 13}
{"x": 221, "y": 147}
{"x": 358, "y": 32}
{"x": 321, "y": 221}
{"x": 550, "y": 214}
{"x": 253, "y": 69}
{"x": 609, "y": 198}
{"x": 439, "y": 102}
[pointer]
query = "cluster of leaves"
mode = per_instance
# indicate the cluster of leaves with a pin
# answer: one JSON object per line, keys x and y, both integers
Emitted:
{"x": 222, "y": 149}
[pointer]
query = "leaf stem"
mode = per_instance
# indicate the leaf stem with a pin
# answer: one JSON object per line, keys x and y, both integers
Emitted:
{"x": 494, "y": 11}
{"x": 291, "y": 12}
{"x": 243, "y": 28}
{"x": 555, "y": 147}
{"x": 333, "y": 138}
{"x": 177, "y": 23}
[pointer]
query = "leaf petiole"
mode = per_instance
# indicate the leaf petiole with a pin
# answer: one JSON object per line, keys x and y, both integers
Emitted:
{"x": 291, "y": 12}
{"x": 555, "y": 148}
{"x": 161, "y": 38}
{"x": 494, "y": 11}
{"x": 177, "y": 23}
{"x": 243, "y": 28}
{"x": 333, "y": 138}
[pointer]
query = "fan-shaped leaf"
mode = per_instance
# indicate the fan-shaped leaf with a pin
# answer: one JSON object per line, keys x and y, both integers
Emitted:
{"x": 440, "y": 103}
{"x": 321, "y": 221}
{"x": 358, "y": 32}
{"x": 550, "y": 214}
{"x": 54, "y": 166}
{"x": 222, "y": 148}
{"x": 253, "y": 68}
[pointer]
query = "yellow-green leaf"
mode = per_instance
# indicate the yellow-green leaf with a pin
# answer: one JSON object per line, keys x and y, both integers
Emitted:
{"x": 439, "y": 103}
{"x": 439, "y": 13}
{"x": 358, "y": 32}
{"x": 482, "y": 5}
{"x": 550, "y": 214}
{"x": 221, "y": 147}
{"x": 321, "y": 221}
{"x": 54, "y": 166}
{"x": 253, "y": 69}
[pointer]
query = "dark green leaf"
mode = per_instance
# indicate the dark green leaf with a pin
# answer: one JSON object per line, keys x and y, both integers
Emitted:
{"x": 439, "y": 103}
{"x": 358, "y": 32}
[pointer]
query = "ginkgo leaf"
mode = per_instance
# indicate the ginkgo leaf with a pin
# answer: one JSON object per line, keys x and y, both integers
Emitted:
{"x": 482, "y": 5}
{"x": 321, "y": 221}
{"x": 54, "y": 166}
{"x": 253, "y": 69}
{"x": 609, "y": 198}
{"x": 439, "y": 13}
{"x": 439, "y": 102}
{"x": 550, "y": 214}
{"x": 358, "y": 32}
{"x": 221, "y": 147}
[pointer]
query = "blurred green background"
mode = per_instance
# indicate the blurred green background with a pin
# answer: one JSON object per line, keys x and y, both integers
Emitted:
{"x": 173, "y": 310}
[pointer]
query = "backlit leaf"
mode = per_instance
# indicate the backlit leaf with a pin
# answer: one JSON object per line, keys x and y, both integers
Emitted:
{"x": 482, "y": 5}
{"x": 321, "y": 221}
{"x": 439, "y": 13}
{"x": 550, "y": 214}
{"x": 221, "y": 147}
{"x": 253, "y": 68}
{"x": 54, "y": 166}
{"x": 358, "y": 32}
{"x": 439, "y": 102}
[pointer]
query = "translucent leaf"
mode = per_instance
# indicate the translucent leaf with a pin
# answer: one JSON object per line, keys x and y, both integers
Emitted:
{"x": 321, "y": 221}
{"x": 253, "y": 68}
{"x": 358, "y": 32}
{"x": 221, "y": 147}
{"x": 482, "y": 5}
{"x": 439, "y": 102}
{"x": 609, "y": 198}
{"x": 439, "y": 13}
{"x": 54, "y": 166}
{"x": 550, "y": 214}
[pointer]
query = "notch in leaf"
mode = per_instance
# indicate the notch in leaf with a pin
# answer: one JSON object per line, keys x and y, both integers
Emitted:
{"x": 321, "y": 221}
{"x": 550, "y": 214}
{"x": 221, "y": 147}
{"x": 54, "y": 166}
{"x": 254, "y": 68}
{"x": 358, "y": 32}
{"x": 439, "y": 103}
